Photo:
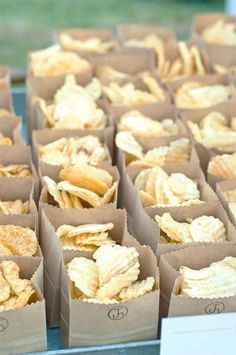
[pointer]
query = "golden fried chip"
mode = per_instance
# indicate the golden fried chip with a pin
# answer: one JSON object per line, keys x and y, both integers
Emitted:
{"x": 10, "y": 272}
{"x": 84, "y": 194}
{"x": 207, "y": 229}
{"x": 178, "y": 232}
{"x": 137, "y": 289}
{"x": 54, "y": 191}
{"x": 4, "y": 288}
{"x": 223, "y": 166}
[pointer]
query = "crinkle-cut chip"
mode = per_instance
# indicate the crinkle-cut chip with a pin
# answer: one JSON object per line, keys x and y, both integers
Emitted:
{"x": 232, "y": 207}
{"x": 212, "y": 123}
{"x": 59, "y": 63}
{"x": 195, "y": 130}
{"x": 21, "y": 241}
{"x": 142, "y": 164}
{"x": 4, "y": 288}
{"x": 75, "y": 201}
{"x": 137, "y": 289}
{"x": 151, "y": 181}
{"x": 216, "y": 281}
{"x": 230, "y": 195}
{"x": 223, "y": 141}
{"x": 196, "y": 95}
{"x": 71, "y": 231}
{"x": 166, "y": 195}
{"x": 88, "y": 177}
{"x": 10, "y": 272}
{"x": 90, "y": 237}
{"x": 223, "y": 166}
{"x": 141, "y": 179}
{"x": 91, "y": 44}
{"x": 94, "y": 89}
{"x": 113, "y": 260}
{"x": 4, "y": 251}
{"x": 53, "y": 190}
{"x": 177, "y": 231}
{"x": 140, "y": 125}
{"x": 103, "y": 301}
{"x": 108, "y": 197}
{"x": 69, "y": 244}
{"x": 84, "y": 273}
{"x": 117, "y": 282}
{"x": 183, "y": 186}
{"x": 128, "y": 144}
{"x": 146, "y": 199}
{"x": 84, "y": 194}
{"x": 58, "y": 144}
{"x": 8, "y": 304}
{"x": 161, "y": 178}
{"x": 207, "y": 229}
{"x": 220, "y": 32}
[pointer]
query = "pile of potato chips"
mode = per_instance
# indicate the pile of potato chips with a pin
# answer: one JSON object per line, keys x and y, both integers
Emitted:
{"x": 19, "y": 170}
{"x": 14, "y": 207}
{"x": 14, "y": 291}
{"x": 111, "y": 277}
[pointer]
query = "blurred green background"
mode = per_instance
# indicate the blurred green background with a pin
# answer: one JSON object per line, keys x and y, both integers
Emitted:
{"x": 28, "y": 24}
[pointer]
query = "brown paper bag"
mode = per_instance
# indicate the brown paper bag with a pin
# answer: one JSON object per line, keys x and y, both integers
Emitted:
{"x": 20, "y": 154}
{"x": 23, "y": 330}
{"x": 139, "y": 31}
{"x": 11, "y": 127}
{"x": 127, "y": 321}
{"x": 12, "y": 189}
{"x": 208, "y": 80}
{"x": 53, "y": 173}
{"x": 51, "y": 219}
{"x": 211, "y": 208}
{"x": 196, "y": 257}
{"x": 215, "y": 52}
{"x": 46, "y": 89}
{"x": 82, "y": 34}
{"x": 6, "y": 99}
{"x": 222, "y": 187}
{"x": 5, "y": 80}
{"x": 46, "y": 136}
{"x": 128, "y": 62}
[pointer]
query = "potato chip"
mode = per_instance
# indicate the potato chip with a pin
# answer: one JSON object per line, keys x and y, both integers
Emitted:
{"x": 10, "y": 272}
{"x": 114, "y": 260}
{"x": 53, "y": 190}
{"x": 5, "y": 140}
{"x": 14, "y": 207}
{"x": 24, "y": 297}
{"x": 223, "y": 166}
{"x": 207, "y": 229}
{"x": 216, "y": 281}
{"x": 88, "y": 177}
{"x": 19, "y": 170}
{"x": 128, "y": 144}
{"x": 21, "y": 241}
{"x": 183, "y": 186}
{"x": 178, "y": 232}
{"x": 232, "y": 207}
{"x": 105, "y": 72}
{"x": 84, "y": 273}
{"x": 137, "y": 289}
{"x": 108, "y": 197}
{"x": 72, "y": 231}
{"x": 4, "y": 288}
{"x": 4, "y": 251}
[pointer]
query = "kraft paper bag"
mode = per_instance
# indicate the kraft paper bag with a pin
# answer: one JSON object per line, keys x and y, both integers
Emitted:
{"x": 53, "y": 253}
{"x": 216, "y": 52}
{"x": 140, "y": 31}
{"x": 46, "y": 136}
{"x": 83, "y": 34}
{"x": 6, "y": 99}
{"x": 126, "y": 321}
{"x": 11, "y": 127}
{"x": 5, "y": 80}
{"x": 23, "y": 330}
{"x": 12, "y": 188}
{"x": 20, "y": 154}
{"x": 53, "y": 172}
{"x": 195, "y": 257}
{"x": 46, "y": 88}
{"x": 221, "y": 188}
{"x": 128, "y": 62}
{"x": 211, "y": 208}
{"x": 206, "y": 80}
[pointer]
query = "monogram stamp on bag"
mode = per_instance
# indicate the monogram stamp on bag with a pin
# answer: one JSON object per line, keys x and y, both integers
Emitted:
{"x": 214, "y": 307}
{"x": 3, "y": 324}
{"x": 118, "y": 313}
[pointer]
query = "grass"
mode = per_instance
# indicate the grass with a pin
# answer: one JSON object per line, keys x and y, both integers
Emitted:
{"x": 28, "y": 24}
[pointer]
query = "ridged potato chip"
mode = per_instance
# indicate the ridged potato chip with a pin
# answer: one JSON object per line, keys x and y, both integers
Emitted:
{"x": 223, "y": 166}
{"x": 178, "y": 232}
{"x": 137, "y": 289}
{"x": 207, "y": 229}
